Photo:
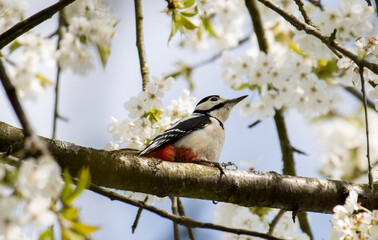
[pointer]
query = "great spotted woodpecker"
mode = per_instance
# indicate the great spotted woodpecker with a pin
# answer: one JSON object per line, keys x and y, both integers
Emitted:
{"x": 197, "y": 138}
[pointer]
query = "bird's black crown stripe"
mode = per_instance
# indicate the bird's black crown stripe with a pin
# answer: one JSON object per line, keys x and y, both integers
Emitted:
{"x": 220, "y": 105}
{"x": 207, "y": 98}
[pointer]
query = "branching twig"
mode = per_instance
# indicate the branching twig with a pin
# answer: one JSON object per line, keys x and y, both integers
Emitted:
{"x": 185, "y": 221}
{"x": 176, "y": 232}
{"x": 12, "y": 96}
{"x": 137, "y": 217}
{"x": 208, "y": 60}
{"x": 304, "y": 13}
{"x": 370, "y": 174}
{"x": 181, "y": 211}
{"x": 333, "y": 45}
{"x": 29, "y": 23}
{"x": 274, "y": 222}
{"x": 360, "y": 96}
{"x": 317, "y": 3}
{"x": 140, "y": 43}
{"x": 59, "y": 31}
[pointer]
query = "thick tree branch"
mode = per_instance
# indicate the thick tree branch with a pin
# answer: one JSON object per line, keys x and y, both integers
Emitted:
{"x": 140, "y": 43}
{"x": 29, "y": 23}
{"x": 328, "y": 40}
{"x": 124, "y": 170}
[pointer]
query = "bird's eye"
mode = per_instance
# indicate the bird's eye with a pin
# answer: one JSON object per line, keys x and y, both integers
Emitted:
{"x": 214, "y": 99}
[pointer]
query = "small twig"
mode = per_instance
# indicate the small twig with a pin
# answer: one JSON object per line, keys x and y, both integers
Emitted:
{"x": 185, "y": 221}
{"x": 360, "y": 96}
{"x": 317, "y": 3}
{"x": 181, "y": 211}
{"x": 298, "y": 151}
{"x": 304, "y": 13}
{"x": 12, "y": 96}
{"x": 274, "y": 222}
{"x": 302, "y": 26}
{"x": 140, "y": 43}
{"x": 254, "y": 124}
{"x": 137, "y": 217}
{"x": 176, "y": 232}
{"x": 29, "y": 23}
{"x": 376, "y": 6}
{"x": 368, "y": 3}
{"x": 58, "y": 72}
{"x": 370, "y": 174}
{"x": 208, "y": 60}
{"x": 304, "y": 224}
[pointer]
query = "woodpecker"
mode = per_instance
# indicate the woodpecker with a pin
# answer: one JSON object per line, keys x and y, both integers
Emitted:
{"x": 197, "y": 138}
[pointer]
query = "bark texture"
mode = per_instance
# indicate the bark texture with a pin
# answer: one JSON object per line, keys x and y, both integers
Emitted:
{"x": 124, "y": 170}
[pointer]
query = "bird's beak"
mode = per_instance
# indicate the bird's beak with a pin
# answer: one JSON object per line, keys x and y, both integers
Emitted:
{"x": 234, "y": 101}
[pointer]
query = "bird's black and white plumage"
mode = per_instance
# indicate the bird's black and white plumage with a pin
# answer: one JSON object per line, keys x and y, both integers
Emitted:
{"x": 198, "y": 136}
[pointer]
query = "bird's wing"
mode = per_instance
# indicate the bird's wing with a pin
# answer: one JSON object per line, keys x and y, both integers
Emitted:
{"x": 176, "y": 131}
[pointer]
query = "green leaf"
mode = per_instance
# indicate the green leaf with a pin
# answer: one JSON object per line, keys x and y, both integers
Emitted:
{"x": 69, "y": 234}
{"x": 262, "y": 212}
{"x": 174, "y": 26}
{"x": 188, "y": 14}
{"x": 186, "y": 3}
{"x": 296, "y": 49}
{"x": 242, "y": 86}
{"x": 14, "y": 46}
{"x": 68, "y": 187}
{"x": 83, "y": 228}
{"x": 187, "y": 24}
{"x": 104, "y": 52}
{"x": 84, "y": 181}
{"x": 43, "y": 80}
{"x": 70, "y": 213}
{"x": 209, "y": 27}
{"x": 325, "y": 69}
{"x": 47, "y": 235}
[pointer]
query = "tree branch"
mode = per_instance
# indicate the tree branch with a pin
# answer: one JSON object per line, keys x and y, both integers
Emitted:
{"x": 304, "y": 13}
{"x": 327, "y": 40}
{"x": 140, "y": 43}
{"x": 254, "y": 13}
{"x": 181, "y": 211}
{"x": 370, "y": 174}
{"x": 29, "y": 23}
{"x": 185, "y": 221}
{"x": 12, "y": 96}
{"x": 286, "y": 148}
{"x": 124, "y": 170}
{"x": 359, "y": 95}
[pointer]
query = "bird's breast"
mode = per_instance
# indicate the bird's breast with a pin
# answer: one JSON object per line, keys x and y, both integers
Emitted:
{"x": 207, "y": 143}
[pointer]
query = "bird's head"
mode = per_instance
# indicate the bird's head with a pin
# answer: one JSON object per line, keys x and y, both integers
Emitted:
{"x": 217, "y": 106}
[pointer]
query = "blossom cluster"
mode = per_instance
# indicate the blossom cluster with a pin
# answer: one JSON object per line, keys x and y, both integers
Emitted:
{"x": 344, "y": 141}
{"x": 31, "y": 57}
{"x": 256, "y": 219}
{"x": 27, "y": 195}
{"x": 11, "y": 12}
{"x": 352, "y": 221}
{"x": 227, "y": 18}
{"x": 90, "y": 23}
{"x": 367, "y": 49}
{"x": 290, "y": 83}
{"x": 147, "y": 118}
{"x": 27, "y": 53}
